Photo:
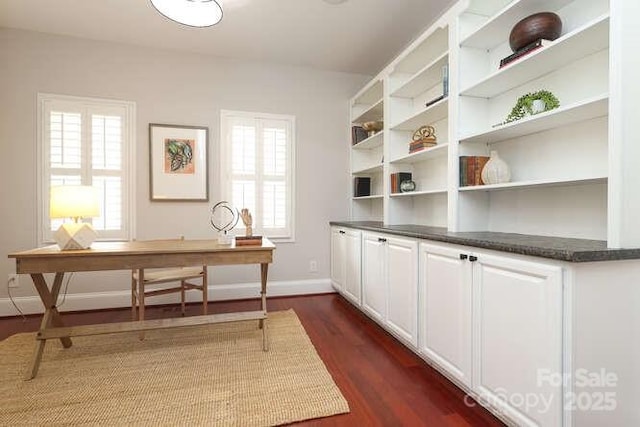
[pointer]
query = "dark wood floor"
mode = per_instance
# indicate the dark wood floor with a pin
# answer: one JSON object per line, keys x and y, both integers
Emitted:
{"x": 384, "y": 383}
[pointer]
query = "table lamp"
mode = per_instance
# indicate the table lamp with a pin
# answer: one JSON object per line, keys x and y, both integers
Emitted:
{"x": 76, "y": 202}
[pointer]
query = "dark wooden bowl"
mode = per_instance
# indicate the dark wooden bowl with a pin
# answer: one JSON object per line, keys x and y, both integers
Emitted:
{"x": 543, "y": 25}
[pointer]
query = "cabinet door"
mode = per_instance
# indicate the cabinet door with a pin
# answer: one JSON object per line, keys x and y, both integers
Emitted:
{"x": 518, "y": 338}
{"x": 352, "y": 282}
{"x": 374, "y": 297}
{"x": 338, "y": 247}
{"x": 445, "y": 308}
{"x": 402, "y": 288}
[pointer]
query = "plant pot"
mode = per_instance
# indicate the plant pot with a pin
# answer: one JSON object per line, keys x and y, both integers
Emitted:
{"x": 538, "y": 106}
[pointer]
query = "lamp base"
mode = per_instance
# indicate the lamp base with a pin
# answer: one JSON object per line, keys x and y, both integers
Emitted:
{"x": 73, "y": 236}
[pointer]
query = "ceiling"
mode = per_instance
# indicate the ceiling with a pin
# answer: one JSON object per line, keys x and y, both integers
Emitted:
{"x": 357, "y": 36}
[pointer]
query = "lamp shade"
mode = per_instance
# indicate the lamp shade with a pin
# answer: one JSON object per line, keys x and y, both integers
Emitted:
{"x": 73, "y": 201}
{"x": 194, "y": 13}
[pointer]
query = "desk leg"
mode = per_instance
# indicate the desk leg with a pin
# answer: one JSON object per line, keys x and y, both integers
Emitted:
{"x": 51, "y": 316}
{"x": 264, "y": 268}
{"x": 141, "y": 298}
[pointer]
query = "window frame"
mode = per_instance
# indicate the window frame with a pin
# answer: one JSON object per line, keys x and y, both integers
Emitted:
{"x": 290, "y": 176}
{"x": 45, "y": 103}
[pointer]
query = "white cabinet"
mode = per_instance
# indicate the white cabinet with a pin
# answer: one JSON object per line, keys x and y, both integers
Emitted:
{"x": 374, "y": 295}
{"x": 345, "y": 263}
{"x": 494, "y": 323}
{"x": 390, "y": 285}
{"x": 445, "y": 308}
{"x": 517, "y": 318}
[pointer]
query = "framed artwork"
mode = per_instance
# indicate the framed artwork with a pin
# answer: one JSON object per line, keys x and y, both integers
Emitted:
{"x": 178, "y": 163}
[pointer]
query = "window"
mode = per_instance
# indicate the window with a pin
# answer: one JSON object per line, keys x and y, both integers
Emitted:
{"x": 85, "y": 141}
{"x": 258, "y": 158}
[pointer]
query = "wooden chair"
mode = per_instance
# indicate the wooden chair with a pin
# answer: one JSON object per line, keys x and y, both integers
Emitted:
{"x": 151, "y": 278}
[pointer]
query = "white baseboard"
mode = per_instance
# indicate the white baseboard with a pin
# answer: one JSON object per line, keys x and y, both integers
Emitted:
{"x": 116, "y": 299}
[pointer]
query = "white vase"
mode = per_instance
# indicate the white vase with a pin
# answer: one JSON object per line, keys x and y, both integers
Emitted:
{"x": 496, "y": 170}
{"x": 538, "y": 106}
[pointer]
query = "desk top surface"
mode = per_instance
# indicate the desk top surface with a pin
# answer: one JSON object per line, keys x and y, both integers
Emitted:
{"x": 144, "y": 247}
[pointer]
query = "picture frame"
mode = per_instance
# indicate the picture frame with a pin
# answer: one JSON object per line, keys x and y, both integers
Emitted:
{"x": 178, "y": 163}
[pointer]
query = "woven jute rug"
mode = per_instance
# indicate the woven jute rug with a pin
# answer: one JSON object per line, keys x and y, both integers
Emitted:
{"x": 212, "y": 375}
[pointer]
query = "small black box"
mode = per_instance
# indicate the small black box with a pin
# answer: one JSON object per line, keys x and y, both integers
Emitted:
{"x": 361, "y": 186}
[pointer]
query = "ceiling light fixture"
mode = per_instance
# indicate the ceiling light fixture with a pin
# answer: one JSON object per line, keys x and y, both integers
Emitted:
{"x": 194, "y": 13}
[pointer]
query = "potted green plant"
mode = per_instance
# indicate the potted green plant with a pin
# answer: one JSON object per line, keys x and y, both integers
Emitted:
{"x": 532, "y": 103}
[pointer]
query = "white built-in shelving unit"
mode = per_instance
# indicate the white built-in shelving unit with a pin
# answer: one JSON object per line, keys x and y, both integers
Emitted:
{"x": 559, "y": 159}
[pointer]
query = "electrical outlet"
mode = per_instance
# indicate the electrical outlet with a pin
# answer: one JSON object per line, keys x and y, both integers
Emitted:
{"x": 313, "y": 266}
{"x": 13, "y": 281}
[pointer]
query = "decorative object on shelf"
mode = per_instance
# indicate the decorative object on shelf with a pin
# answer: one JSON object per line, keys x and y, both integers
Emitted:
{"x": 361, "y": 186}
{"x": 193, "y": 13}
{"x": 76, "y": 202}
{"x": 247, "y": 220}
{"x": 223, "y": 218}
{"x": 422, "y": 138}
{"x": 433, "y": 101}
{"x": 445, "y": 80}
{"x": 407, "y": 186}
{"x": 373, "y": 127}
{"x": 396, "y": 180}
{"x": 358, "y": 134}
{"x": 530, "y": 48}
{"x": 527, "y": 105}
{"x": 471, "y": 170}
{"x": 543, "y": 25}
{"x": 249, "y": 238}
{"x": 496, "y": 170}
{"x": 179, "y": 164}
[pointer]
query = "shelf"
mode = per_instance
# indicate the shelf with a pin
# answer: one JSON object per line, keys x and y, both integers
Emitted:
{"x": 368, "y": 170}
{"x": 423, "y": 50}
{"x": 585, "y": 110}
{"x": 492, "y": 32}
{"x": 370, "y": 94}
{"x": 535, "y": 183}
{"x": 420, "y": 156}
{"x": 424, "y": 79}
{"x": 369, "y": 143}
{"x": 374, "y": 112}
{"x": 375, "y": 196}
{"x": 582, "y": 42}
{"x": 428, "y": 116}
{"x": 419, "y": 193}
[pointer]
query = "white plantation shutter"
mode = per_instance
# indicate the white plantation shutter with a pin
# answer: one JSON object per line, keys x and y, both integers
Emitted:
{"x": 258, "y": 169}
{"x": 88, "y": 142}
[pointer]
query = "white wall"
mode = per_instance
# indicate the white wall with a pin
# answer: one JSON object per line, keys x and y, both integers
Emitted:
{"x": 176, "y": 88}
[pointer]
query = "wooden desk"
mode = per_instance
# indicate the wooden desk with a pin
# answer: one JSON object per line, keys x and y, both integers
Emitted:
{"x": 127, "y": 256}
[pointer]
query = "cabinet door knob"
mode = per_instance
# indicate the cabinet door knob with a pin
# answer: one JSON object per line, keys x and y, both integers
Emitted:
{"x": 381, "y": 239}
{"x": 464, "y": 256}
{"x": 473, "y": 258}
{"x": 341, "y": 231}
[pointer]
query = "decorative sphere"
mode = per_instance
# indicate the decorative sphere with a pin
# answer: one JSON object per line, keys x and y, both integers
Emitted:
{"x": 543, "y": 25}
{"x": 224, "y": 216}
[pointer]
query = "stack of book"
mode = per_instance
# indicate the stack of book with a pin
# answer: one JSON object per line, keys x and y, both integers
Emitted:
{"x": 358, "y": 134}
{"x": 421, "y": 144}
{"x": 248, "y": 240}
{"x": 361, "y": 186}
{"x": 530, "y": 48}
{"x": 471, "y": 170}
{"x": 445, "y": 87}
{"x": 397, "y": 179}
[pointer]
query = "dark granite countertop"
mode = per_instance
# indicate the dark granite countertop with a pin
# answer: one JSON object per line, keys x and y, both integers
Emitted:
{"x": 559, "y": 248}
